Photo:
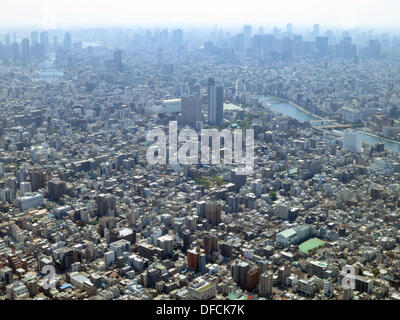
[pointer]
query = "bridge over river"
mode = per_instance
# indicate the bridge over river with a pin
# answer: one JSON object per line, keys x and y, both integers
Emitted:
{"x": 331, "y": 124}
{"x": 318, "y": 123}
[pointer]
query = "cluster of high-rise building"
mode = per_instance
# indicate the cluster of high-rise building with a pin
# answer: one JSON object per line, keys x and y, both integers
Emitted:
{"x": 36, "y": 47}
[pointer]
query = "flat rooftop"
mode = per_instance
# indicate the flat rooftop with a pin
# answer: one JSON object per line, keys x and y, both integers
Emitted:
{"x": 310, "y": 245}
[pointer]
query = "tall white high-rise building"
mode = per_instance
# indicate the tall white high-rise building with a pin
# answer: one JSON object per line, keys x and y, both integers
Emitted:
{"x": 247, "y": 31}
{"x": 215, "y": 103}
{"x": 25, "y": 187}
{"x": 352, "y": 141}
{"x": 316, "y": 30}
{"x": 283, "y": 210}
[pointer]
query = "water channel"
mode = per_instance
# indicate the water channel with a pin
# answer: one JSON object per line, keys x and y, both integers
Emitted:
{"x": 291, "y": 111}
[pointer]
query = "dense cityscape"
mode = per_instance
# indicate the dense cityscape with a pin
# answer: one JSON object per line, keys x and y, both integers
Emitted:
{"x": 85, "y": 215}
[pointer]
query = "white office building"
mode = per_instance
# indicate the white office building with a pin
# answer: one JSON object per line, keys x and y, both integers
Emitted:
{"x": 25, "y": 187}
{"x": 295, "y": 235}
{"x": 201, "y": 289}
{"x": 283, "y": 210}
{"x": 30, "y": 200}
{"x": 120, "y": 246}
{"x": 352, "y": 141}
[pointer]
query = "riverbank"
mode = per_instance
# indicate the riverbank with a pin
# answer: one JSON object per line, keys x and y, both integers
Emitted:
{"x": 292, "y": 110}
{"x": 307, "y": 112}
{"x": 379, "y": 137}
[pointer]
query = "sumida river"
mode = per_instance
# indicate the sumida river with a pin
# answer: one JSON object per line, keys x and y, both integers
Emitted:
{"x": 291, "y": 111}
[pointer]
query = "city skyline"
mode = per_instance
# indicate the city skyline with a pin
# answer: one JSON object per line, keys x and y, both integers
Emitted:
{"x": 339, "y": 14}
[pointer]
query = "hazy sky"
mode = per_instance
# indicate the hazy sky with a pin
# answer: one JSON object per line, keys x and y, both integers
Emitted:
{"x": 49, "y": 14}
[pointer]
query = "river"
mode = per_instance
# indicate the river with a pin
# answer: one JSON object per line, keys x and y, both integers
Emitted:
{"x": 48, "y": 71}
{"x": 291, "y": 111}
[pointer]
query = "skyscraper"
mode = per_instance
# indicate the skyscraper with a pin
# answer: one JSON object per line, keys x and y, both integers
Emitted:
{"x": 177, "y": 36}
{"x": 247, "y": 36}
{"x": 37, "y": 51}
{"x": 44, "y": 39}
{"x": 215, "y": 103}
{"x": 316, "y": 30}
{"x": 55, "y": 42}
{"x": 15, "y": 49}
{"x": 34, "y": 37}
{"x": 374, "y": 49}
{"x": 247, "y": 31}
{"x": 283, "y": 210}
{"x": 191, "y": 110}
{"x": 322, "y": 45}
{"x": 56, "y": 189}
{"x": 67, "y": 41}
{"x": 25, "y": 49}
{"x": 346, "y": 49}
{"x": 213, "y": 213}
{"x": 7, "y": 40}
{"x": 160, "y": 56}
{"x": 287, "y": 48}
{"x": 105, "y": 205}
{"x": 118, "y": 60}
{"x": 352, "y": 141}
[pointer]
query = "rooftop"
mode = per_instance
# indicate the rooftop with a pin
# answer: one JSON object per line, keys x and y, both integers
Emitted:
{"x": 311, "y": 244}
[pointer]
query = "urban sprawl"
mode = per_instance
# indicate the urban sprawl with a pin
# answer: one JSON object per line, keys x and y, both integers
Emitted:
{"x": 84, "y": 215}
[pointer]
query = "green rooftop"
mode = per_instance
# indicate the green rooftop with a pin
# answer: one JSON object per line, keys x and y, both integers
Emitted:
{"x": 288, "y": 233}
{"x": 205, "y": 287}
{"x": 311, "y": 244}
{"x": 233, "y": 296}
